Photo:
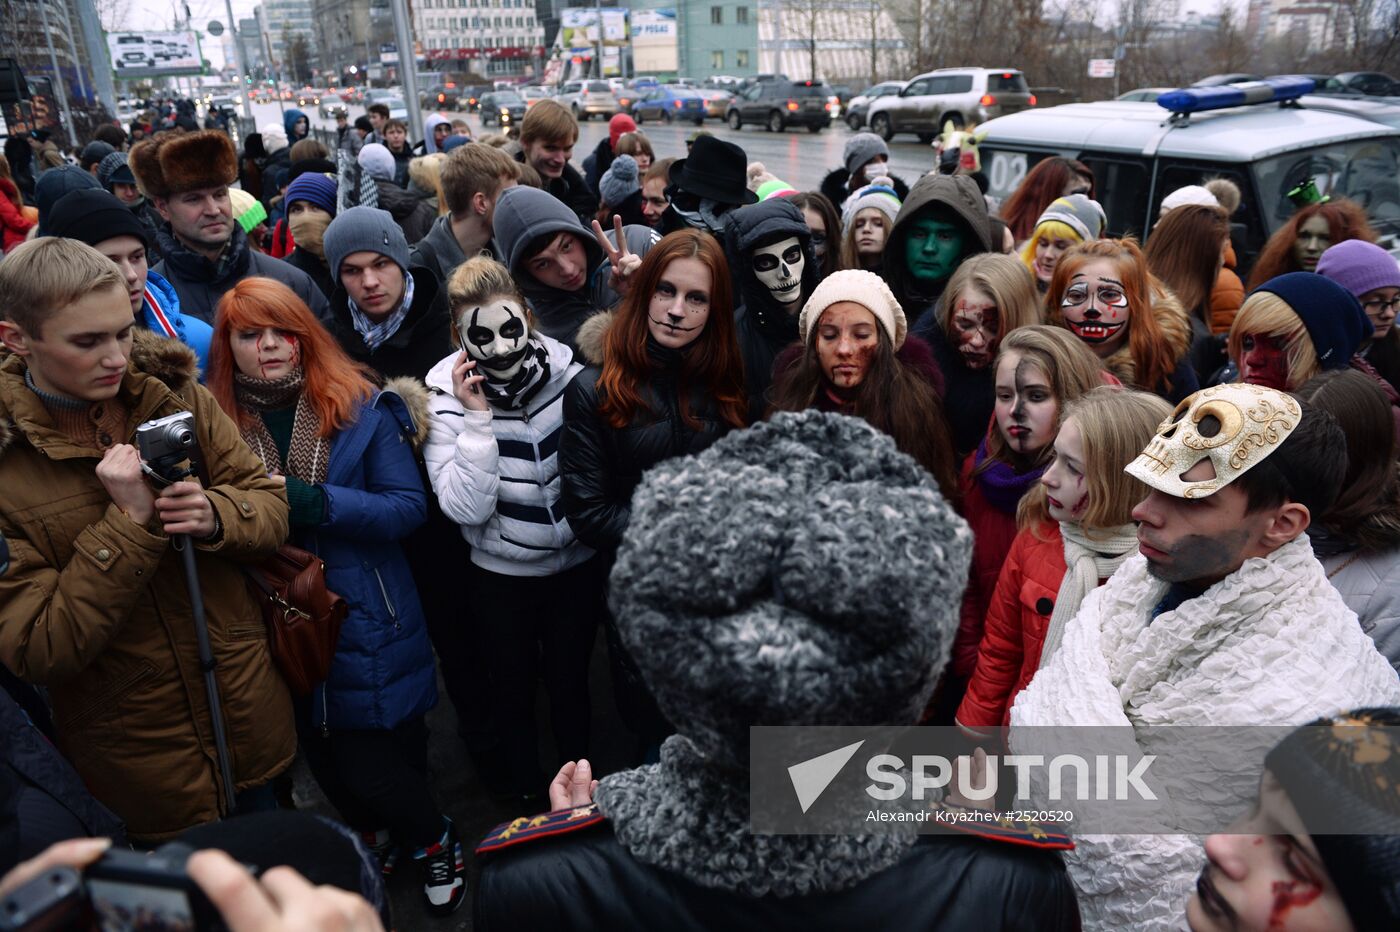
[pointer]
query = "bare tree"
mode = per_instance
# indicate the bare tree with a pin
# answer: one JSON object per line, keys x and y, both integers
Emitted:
{"x": 112, "y": 14}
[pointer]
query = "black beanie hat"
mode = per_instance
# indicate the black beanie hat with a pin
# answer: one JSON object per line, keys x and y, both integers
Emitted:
{"x": 1332, "y": 316}
{"x": 1342, "y": 774}
{"x": 93, "y": 215}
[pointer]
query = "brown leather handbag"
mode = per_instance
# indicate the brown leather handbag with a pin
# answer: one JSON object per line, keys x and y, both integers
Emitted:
{"x": 303, "y": 617}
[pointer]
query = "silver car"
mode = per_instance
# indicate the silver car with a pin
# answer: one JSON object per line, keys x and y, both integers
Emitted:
{"x": 858, "y": 107}
{"x": 588, "y": 98}
{"x": 964, "y": 95}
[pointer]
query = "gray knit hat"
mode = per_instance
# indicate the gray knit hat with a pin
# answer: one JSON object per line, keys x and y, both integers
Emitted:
{"x": 377, "y": 161}
{"x": 861, "y": 148}
{"x": 803, "y": 571}
{"x": 364, "y": 229}
{"x": 1078, "y": 212}
{"x": 620, "y": 181}
{"x": 113, "y": 169}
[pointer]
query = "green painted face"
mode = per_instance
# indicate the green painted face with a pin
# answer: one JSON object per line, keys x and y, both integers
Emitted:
{"x": 932, "y": 247}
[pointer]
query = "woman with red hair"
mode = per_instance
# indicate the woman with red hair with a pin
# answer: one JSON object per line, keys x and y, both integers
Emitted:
{"x": 340, "y": 446}
{"x": 1050, "y": 179}
{"x": 1301, "y": 241}
{"x": 667, "y": 380}
{"x": 1103, "y": 293}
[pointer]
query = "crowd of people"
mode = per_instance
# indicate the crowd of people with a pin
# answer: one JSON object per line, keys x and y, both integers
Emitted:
{"x": 886, "y": 452}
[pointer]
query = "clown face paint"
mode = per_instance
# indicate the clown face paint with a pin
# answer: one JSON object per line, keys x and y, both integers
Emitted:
{"x": 1026, "y": 408}
{"x": 1095, "y": 307}
{"x": 496, "y": 334}
{"x": 977, "y": 325}
{"x": 848, "y": 336}
{"x": 1314, "y": 236}
{"x": 1264, "y": 361}
{"x": 1066, "y": 494}
{"x": 932, "y": 246}
{"x": 779, "y": 267}
{"x": 680, "y": 307}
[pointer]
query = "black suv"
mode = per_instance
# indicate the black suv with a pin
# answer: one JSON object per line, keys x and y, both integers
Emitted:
{"x": 780, "y": 104}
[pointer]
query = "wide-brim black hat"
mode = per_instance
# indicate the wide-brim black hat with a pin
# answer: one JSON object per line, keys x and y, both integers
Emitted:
{"x": 716, "y": 169}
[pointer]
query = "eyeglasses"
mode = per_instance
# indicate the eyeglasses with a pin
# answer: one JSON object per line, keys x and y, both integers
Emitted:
{"x": 1379, "y": 305}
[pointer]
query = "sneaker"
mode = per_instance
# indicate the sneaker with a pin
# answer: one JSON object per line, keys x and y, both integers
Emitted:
{"x": 444, "y": 873}
{"x": 383, "y": 848}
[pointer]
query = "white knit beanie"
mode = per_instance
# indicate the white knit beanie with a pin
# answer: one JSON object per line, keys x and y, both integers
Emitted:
{"x": 274, "y": 137}
{"x": 1190, "y": 194}
{"x": 864, "y": 288}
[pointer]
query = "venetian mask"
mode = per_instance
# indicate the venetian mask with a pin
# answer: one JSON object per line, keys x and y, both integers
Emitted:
{"x": 1235, "y": 426}
{"x": 497, "y": 335}
{"x": 779, "y": 267}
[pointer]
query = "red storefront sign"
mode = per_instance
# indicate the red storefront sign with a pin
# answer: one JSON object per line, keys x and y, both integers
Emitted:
{"x": 461, "y": 54}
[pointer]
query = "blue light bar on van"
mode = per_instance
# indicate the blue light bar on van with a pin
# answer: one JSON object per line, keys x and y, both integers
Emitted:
{"x": 1269, "y": 90}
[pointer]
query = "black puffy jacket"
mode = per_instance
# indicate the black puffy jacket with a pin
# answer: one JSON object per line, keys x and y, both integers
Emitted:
{"x": 951, "y": 883}
{"x": 600, "y": 465}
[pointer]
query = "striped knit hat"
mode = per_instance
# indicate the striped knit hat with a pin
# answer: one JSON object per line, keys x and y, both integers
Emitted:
{"x": 879, "y": 194}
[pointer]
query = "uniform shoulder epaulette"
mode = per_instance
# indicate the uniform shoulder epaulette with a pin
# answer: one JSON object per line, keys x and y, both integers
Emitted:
{"x": 544, "y": 825}
{"x": 1002, "y": 828}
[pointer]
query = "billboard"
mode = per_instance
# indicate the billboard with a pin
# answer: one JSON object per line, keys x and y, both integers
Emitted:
{"x": 137, "y": 55}
{"x": 654, "y": 35}
{"x": 578, "y": 28}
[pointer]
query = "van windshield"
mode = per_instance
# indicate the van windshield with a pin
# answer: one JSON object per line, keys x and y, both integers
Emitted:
{"x": 1364, "y": 171}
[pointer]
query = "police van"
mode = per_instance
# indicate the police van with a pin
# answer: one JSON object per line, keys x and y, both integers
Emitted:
{"x": 1258, "y": 135}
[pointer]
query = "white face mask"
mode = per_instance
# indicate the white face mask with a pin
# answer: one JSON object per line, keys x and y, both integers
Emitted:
{"x": 497, "y": 336}
{"x": 779, "y": 267}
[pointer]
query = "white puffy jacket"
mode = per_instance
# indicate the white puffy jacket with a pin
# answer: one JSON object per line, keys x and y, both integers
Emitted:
{"x": 496, "y": 473}
{"x": 1271, "y": 644}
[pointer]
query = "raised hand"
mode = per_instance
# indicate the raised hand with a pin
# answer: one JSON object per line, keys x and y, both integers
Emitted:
{"x": 466, "y": 384}
{"x": 572, "y": 787}
{"x": 622, "y": 260}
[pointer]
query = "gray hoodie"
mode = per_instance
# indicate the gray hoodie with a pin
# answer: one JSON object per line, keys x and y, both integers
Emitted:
{"x": 441, "y": 252}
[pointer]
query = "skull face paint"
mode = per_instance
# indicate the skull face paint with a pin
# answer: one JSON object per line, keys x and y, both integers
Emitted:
{"x": 1095, "y": 307}
{"x": 1264, "y": 361}
{"x": 977, "y": 327}
{"x": 496, "y": 334}
{"x": 779, "y": 267}
{"x": 1027, "y": 411}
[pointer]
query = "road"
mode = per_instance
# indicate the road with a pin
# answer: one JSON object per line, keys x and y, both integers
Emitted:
{"x": 796, "y": 156}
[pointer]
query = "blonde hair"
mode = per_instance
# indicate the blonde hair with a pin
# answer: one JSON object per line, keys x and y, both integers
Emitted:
{"x": 1052, "y": 229}
{"x": 476, "y": 281}
{"x": 1115, "y": 424}
{"x": 1008, "y": 282}
{"x": 426, "y": 172}
{"x": 40, "y": 277}
{"x": 1069, "y": 366}
{"x": 470, "y": 170}
{"x": 548, "y": 121}
{"x": 1265, "y": 314}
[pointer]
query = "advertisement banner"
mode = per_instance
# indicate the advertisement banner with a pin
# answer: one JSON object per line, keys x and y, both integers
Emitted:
{"x": 137, "y": 55}
{"x": 578, "y": 27}
{"x": 654, "y": 37}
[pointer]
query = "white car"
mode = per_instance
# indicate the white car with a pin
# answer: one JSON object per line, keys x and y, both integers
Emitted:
{"x": 132, "y": 52}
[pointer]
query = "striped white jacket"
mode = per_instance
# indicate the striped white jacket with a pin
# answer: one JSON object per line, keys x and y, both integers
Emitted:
{"x": 496, "y": 473}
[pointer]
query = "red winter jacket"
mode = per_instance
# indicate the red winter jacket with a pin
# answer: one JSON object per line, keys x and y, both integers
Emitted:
{"x": 13, "y": 224}
{"x": 1016, "y": 621}
{"x": 993, "y": 532}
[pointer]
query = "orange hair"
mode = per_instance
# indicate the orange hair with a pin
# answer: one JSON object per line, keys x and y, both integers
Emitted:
{"x": 1152, "y": 355}
{"x": 713, "y": 365}
{"x": 335, "y": 384}
{"x": 1345, "y": 220}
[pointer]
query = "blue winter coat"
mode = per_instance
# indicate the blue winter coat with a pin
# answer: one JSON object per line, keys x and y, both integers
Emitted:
{"x": 160, "y": 311}
{"x": 383, "y": 672}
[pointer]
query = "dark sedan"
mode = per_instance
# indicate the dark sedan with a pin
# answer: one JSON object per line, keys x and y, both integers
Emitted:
{"x": 503, "y": 108}
{"x": 667, "y": 103}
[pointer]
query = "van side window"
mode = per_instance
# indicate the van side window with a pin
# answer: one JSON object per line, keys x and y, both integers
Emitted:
{"x": 1128, "y": 180}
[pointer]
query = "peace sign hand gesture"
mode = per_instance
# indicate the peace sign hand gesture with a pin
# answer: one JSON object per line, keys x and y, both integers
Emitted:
{"x": 622, "y": 260}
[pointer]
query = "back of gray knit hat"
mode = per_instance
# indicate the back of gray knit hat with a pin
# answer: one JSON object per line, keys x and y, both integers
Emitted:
{"x": 803, "y": 571}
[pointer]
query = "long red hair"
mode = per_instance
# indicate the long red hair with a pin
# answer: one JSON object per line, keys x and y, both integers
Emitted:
{"x": 713, "y": 365}
{"x": 1042, "y": 184}
{"x": 1153, "y": 358}
{"x": 1345, "y": 220}
{"x": 335, "y": 383}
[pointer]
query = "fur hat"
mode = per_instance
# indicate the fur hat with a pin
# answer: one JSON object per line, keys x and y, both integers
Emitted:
{"x": 173, "y": 163}
{"x": 864, "y": 288}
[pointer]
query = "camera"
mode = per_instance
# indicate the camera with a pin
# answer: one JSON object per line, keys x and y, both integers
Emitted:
{"x": 167, "y": 440}
{"x": 124, "y": 890}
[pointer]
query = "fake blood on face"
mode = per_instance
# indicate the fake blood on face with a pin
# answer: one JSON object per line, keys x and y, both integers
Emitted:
{"x": 1289, "y": 894}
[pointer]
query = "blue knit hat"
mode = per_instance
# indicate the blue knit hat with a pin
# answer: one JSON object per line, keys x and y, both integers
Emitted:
{"x": 455, "y": 140}
{"x": 1335, "y": 322}
{"x": 316, "y": 189}
{"x": 55, "y": 183}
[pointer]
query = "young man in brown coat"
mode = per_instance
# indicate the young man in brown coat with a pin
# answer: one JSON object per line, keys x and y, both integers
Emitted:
{"x": 95, "y": 605}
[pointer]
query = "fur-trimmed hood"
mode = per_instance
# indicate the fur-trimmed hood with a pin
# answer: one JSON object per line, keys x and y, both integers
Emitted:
{"x": 1175, "y": 325}
{"x": 414, "y": 395}
{"x": 592, "y": 337}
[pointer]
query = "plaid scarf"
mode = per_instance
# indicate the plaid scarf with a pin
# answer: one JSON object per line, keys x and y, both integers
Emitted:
{"x": 374, "y": 334}
{"x": 308, "y": 457}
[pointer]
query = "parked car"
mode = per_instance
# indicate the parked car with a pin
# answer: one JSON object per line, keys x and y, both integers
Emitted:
{"x": 1219, "y": 80}
{"x": 332, "y": 107}
{"x": 471, "y": 96}
{"x": 503, "y": 108}
{"x": 842, "y": 93}
{"x": 1376, "y": 109}
{"x": 588, "y": 99}
{"x": 1144, "y": 95}
{"x": 964, "y": 96}
{"x": 442, "y": 96}
{"x": 716, "y": 102}
{"x": 1369, "y": 83}
{"x": 534, "y": 93}
{"x": 398, "y": 108}
{"x": 858, "y": 107}
{"x": 668, "y": 103}
{"x": 777, "y": 105}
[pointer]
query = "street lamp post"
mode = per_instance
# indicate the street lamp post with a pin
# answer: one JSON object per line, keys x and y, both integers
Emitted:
{"x": 242, "y": 60}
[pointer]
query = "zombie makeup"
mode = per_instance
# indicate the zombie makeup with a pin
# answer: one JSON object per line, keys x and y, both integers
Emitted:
{"x": 1095, "y": 307}
{"x": 977, "y": 327}
{"x": 1066, "y": 493}
{"x": 1314, "y": 236}
{"x": 779, "y": 267}
{"x": 680, "y": 306}
{"x": 1026, "y": 408}
{"x": 265, "y": 353}
{"x": 932, "y": 246}
{"x": 847, "y": 338}
{"x": 1264, "y": 360}
{"x": 496, "y": 334}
